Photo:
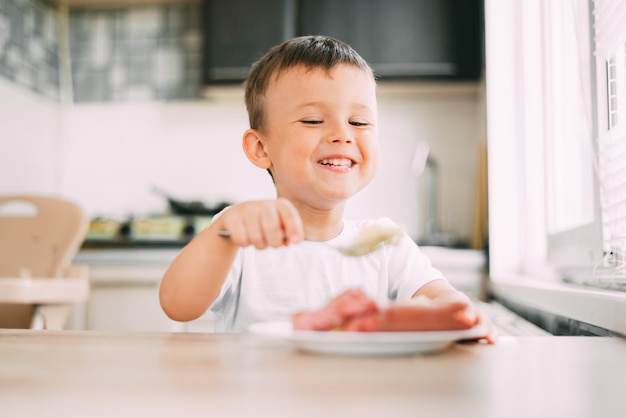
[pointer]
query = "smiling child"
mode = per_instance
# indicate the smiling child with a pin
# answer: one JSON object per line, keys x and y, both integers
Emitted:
{"x": 313, "y": 117}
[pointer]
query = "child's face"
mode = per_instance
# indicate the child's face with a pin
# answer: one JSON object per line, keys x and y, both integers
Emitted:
{"x": 321, "y": 134}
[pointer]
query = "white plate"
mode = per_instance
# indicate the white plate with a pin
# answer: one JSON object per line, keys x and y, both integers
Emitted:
{"x": 367, "y": 343}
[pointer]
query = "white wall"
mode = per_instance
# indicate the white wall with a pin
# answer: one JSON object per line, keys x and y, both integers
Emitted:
{"x": 189, "y": 149}
{"x": 109, "y": 156}
{"x": 193, "y": 150}
{"x": 31, "y": 144}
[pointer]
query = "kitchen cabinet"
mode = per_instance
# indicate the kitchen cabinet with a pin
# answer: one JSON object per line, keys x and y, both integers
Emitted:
{"x": 238, "y": 32}
{"x": 421, "y": 39}
{"x": 125, "y": 293}
{"x": 126, "y": 298}
{"x": 401, "y": 39}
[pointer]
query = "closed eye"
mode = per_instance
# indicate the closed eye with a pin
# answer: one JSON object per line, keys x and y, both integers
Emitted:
{"x": 312, "y": 122}
{"x": 359, "y": 123}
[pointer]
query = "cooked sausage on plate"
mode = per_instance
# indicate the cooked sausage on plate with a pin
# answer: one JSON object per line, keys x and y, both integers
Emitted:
{"x": 353, "y": 310}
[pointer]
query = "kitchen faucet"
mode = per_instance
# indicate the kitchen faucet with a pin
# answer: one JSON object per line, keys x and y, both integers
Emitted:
{"x": 424, "y": 162}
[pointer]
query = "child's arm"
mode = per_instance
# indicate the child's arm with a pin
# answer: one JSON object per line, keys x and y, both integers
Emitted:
{"x": 194, "y": 279}
{"x": 444, "y": 294}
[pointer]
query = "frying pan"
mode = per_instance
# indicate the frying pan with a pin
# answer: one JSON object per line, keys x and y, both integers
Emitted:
{"x": 190, "y": 207}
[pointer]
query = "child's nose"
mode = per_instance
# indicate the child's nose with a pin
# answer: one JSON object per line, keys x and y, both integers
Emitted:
{"x": 341, "y": 133}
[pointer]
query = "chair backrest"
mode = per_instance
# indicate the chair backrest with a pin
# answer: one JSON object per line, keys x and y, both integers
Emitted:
{"x": 39, "y": 235}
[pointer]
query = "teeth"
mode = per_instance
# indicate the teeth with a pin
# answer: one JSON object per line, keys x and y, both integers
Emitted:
{"x": 337, "y": 162}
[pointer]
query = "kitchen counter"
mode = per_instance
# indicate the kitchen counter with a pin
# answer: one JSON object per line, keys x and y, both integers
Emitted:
{"x": 96, "y": 374}
{"x": 161, "y": 257}
{"x": 125, "y": 292}
{"x": 123, "y": 243}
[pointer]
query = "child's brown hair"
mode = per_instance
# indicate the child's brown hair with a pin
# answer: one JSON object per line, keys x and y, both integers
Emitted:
{"x": 314, "y": 51}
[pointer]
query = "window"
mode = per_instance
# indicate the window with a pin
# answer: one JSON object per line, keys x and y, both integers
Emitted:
{"x": 573, "y": 218}
{"x": 556, "y": 109}
{"x": 586, "y": 143}
{"x": 610, "y": 45}
{"x": 569, "y": 129}
{"x": 555, "y": 131}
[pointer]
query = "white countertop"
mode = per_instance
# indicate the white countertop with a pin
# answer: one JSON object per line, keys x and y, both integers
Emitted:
{"x": 127, "y": 256}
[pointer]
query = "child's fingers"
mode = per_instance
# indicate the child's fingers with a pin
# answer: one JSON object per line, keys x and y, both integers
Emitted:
{"x": 233, "y": 223}
{"x": 244, "y": 225}
{"x": 270, "y": 224}
{"x": 290, "y": 221}
{"x": 264, "y": 223}
{"x": 465, "y": 315}
{"x": 491, "y": 336}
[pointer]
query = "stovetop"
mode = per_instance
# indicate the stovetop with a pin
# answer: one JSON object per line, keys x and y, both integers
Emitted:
{"x": 144, "y": 232}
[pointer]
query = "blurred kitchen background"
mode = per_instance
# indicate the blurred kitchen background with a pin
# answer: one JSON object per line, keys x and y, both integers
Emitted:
{"x": 121, "y": 105}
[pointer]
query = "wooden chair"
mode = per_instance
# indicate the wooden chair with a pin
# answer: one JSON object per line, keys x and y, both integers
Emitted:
{"x": 39, "y": 236}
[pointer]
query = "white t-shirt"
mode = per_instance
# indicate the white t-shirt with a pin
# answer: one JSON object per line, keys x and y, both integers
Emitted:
{"x": 272, "y": 284}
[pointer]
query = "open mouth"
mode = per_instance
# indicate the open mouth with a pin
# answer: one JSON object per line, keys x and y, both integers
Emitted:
{"x": 337, "y": 162}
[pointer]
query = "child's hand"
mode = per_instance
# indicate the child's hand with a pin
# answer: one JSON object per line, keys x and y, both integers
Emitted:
{"x": 263, "y": 223}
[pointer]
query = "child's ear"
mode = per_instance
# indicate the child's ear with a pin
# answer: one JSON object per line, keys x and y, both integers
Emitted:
{"x": 254, "y": 147}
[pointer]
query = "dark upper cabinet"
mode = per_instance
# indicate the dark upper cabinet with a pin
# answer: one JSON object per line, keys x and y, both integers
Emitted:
{"x": 401, "y": 39}
{"x": 238, "y": 32}
{"x": 430, "y": 39}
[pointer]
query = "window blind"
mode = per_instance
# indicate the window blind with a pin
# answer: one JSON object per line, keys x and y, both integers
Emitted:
{"x": 610, "y": 51}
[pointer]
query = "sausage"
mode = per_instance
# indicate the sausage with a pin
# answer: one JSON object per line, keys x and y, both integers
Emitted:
{"x": 353, "y": 310}
{"x": 350, "y": 304}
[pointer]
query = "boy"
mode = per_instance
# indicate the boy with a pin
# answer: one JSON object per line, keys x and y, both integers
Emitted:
{"x": 313, "y": 112}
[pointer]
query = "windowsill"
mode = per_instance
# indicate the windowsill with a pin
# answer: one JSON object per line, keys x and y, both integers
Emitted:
{"x": 602, "y": 308}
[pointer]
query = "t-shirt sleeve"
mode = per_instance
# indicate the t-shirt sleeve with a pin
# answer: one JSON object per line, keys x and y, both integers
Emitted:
{"x": 409, "y": 269}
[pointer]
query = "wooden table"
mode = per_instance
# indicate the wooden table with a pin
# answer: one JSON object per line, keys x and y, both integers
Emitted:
{"x": 94, "y": 374}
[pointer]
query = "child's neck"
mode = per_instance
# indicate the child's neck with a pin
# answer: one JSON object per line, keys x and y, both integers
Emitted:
{"x": 322, "y": 225}
{"x": 323, "y": 233}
